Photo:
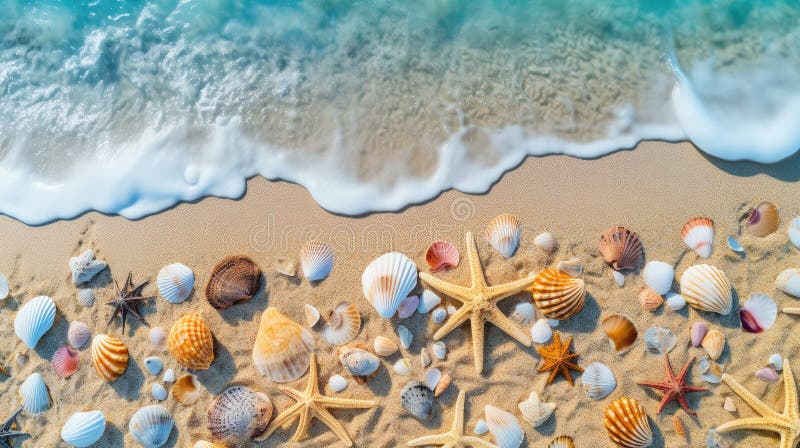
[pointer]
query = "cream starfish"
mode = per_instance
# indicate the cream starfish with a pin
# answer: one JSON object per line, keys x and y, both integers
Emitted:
{"x": 455, "y": 438}
{"x": 787, "y": 424}
{"x": 311, "y": 403}
{"x": 479, "y": 304}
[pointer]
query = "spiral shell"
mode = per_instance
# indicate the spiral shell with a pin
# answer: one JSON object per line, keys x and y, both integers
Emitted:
{"x": 442, "y": 255}
{"x": 387, "y": 281}
{"x": 706, "y": 288}
{"x": 65, "y": 361}
{"x": 34, "y": 395}
{"x": 238, "y": 414}
{"x": 558, "y": 295}
{"x": 151, "y": 426}
{"x": 627, "y": 424}
{"x": 503, "y": 233}
{"x": 109, "y": 357}
{"x": 342, "y": 325}
{"x": 621, "y": 331}
{"x": 621, "y": 248}
{"x": 316, "y": 259}
{"x": 34, "y": 319}
{"x": 282, "y": 347}
{"x": 698, "y": 234}
{"x": 78, "y": 334}
{"x": 175, "y": 282}
{"x": 191, "y": 343}
{"x": 83, "y": 429}
{"x": 186, "y": 390}
{"x": 234, "y": 278}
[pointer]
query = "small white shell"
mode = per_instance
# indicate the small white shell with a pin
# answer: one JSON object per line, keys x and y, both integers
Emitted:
{"x": 158, "y": 392}
{"x": 85, "y": 297}
{"x": 34, "y": 319}
{"x": 523, "y": 313}
{"x": 546, "y": 242}
{"x": 337, "y": 383}
{"x": 153, "y": 364}
{"x": 312, "y": 315}
{"x": 387, "y": 281}
{"x": 788, "y": 281}
{"x": 729, "y": 405}
{"x": 675, "y": 301}
{"x": 285, "y": 266}
{"x": 175, "y": 282}
{"x": 407, "y": 307}
{"x": 535, "y": 411}
{"x": 432, "y": 377}
{"x": 481, "y": 427}
{"x": 343, "y": 324}
{"x": 619, "y": 278}
{"x": 428, "y": 301}
{"x": 598, "y": 381}
{"x": 439, "y": 315}
{"x": 83, "y": 429}
{"x": 541, "y": 331}
{"x": 4, "y": 289}
{"x": 384, "y": 346}
{"x": 169, "y": 376}
{"x": 78, "y": 334}
{"x": 158, "y": 338}
{"x": 316, "y": 258}
{"x": 776, "y": 361}
{"x": 503, "y": 233}
{"x": 659, "y": 340}
{"x": 406, "y": 336}
{"x": 658, "y": 276}
{"x": 794, "y": 232}
{"x": 504, "y": 427}
{"x": 572, "y": 267}
{"x": 33, "y": 391}
{"x": 758, "y": 313}
{"x": 451, "y": 310}
{"x": 151, "y": 426}
{"x": 439, "y": 350}
{"x": 402, "y": 366}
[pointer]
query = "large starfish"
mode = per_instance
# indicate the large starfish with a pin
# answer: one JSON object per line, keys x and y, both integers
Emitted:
{"x": 674, "y": 387}
{"x": 558, "y": 358}
{"x": 479, "y": 304}
{"x": 311, "y": 403}
{"x": 6, "y": 433}
{"x": 786, "y": 424}
{"x": 454, "y": 438}
{"x": 126, "y": 301}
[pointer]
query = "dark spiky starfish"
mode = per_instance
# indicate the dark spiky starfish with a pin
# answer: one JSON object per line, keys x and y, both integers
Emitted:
{"x": 558, "y": 358}
{"x": 674, "y": 387}
{"x": 126, "y": 301}
{"x": 6, "y": 433}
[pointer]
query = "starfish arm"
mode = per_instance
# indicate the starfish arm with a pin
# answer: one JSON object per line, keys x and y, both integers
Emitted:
{"x": 333, "y": 424}
{"x": 293, "y": 393}
{"x": 685, "y": 405}
{"x": 567, "y": 375}
{"x": 303, "y": 423}
{"x": 453, "y": 322}
{"x": 476, "y": 442}
{"x": 475, "y": 268}
{"x": 757, "y": 405}
{"x": 313, "y": 375}
{"x": 658, "y": 386}
{"x": 285, "y": 417}
{"x": 788, "y": 441}
{"x": 684, "y": 371}
{"x": 508, "y": 326}
{"x": 789, "y": 392}
{"x": 500, "y": 292}
{"x": 436, "y": 439}
{"x": 458, "y": 421}
{"x": 755, "y": 423}
{"x": 456, "y": 292}
{"x": 477, "y": 342}
{"x": 344, "y": 403}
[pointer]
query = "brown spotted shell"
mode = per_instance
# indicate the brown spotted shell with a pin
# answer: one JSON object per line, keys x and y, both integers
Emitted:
{"x": 558, "y": 295}
{"x": 233, "y": 279}
{"x": 621, "y": 248}
{"x": 191, "y": 343}
{"x": 627, "y": 424}
{"x": 239, "y": 414}
{"x": 109, "y": 357}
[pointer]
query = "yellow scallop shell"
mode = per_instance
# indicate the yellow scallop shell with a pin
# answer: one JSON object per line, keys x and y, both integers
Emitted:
{"x": 627, "y": 424}
{"x": 191, "y": 343}
{"x": 109, "y": 357}
{"x": 282, "y": 347}
{"x": 558, "y": 295}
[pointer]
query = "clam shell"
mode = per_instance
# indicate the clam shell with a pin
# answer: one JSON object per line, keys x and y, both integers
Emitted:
{"x": 84, "y": 267}
{"x": 535, "y": 411}
{"x": 186, "y": 390}
{"x": 387, "y": 281}
{"x": 109, "y": 357}
{"x": 793, "y": 230}
{"x": 503, "y": 233}
{"x": 706, "y": 288}
{"x": 698, "y": 234}
{"x": 34, "y": 319}
{"x": 285, "y": 266}
{"x": 658, "y": 276}
{"x": 523, "y": 313}
{"x": 358, "y": 362}
{"x": 402, "y": 366}
{"x": 621, "y": 248}
{"x": 233, "y": 279}
{"x": 758, "y": 313}
{"x": 85, "y": 297}
{"x": 675, "y": 301}
{"x": 729, "y": 405}
{"x": 439, "y": 315}
{"x": 776, "y": 361}
{"x": 546, "y": 242}
{"x": 78, "y": 334}
{"x": 481, "y": 427}
{"x": 153, "y": 364}
{"x": 710, "y": 371}
{"x": 504, "y": 427}
{"x": 417, "y": 399}
{"x": 65, "y": 361}
{"x": 442, "y": 255}
{"x": 34, "y": 395}
{"x": 626, "y": 423}
{"x": 562, "y": 442}
{"x": 175, "y": 282}
{"x": 405, "y": 335}
{"x": 767, "y": 374}
{"x": 4, "y": 289}
{"x": 598, "y": 381}
{"x": 407, "y": 307}
{"x": 342, "y": 325}
{"x": 442, "y": 385}
{"x": 428, "y": 301}
{"x": 714, "y": 343}
{"x": 282, "y": 348}
{"x": 337, "y": 383}
{"x": 238, "y": 414}
{"x": 384, "y": 346}
{"x": 788, "y": 281}
{"x": 432, "y": 378}
{"x": 158, "y": 392}
{"x": 621, "y": 331}
{"x": 151, "y": 426}
{"x": 191, "y": 343}
{"x": 312, "y": 315}
{"x": 650, "y": 300}
{"x": 572, "y": 267}
{"x": 659, "y": 340}
{"x": 83, "y": 429}
{"x": 158, "y": 338}
{"x": 316, "y": 258}
{"x": 557, "y": 295}
{"x": 541, "y": 331}
{"x": 439, "y": 350}
{"x": 698, "y": 332}
{"x": 763, "y": 219}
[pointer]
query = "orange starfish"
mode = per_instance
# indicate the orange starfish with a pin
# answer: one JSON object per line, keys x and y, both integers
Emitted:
{"x": 674, "y": 387}
{"x": 557, "y": 358}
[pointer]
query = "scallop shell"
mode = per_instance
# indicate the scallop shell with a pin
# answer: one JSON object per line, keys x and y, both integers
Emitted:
{"x": 387, "y": 281}
{"x": 158, "y": 392}
{"x": 441, "y": 256}
{"x": 405, "y": 335}
{"x": 78, "y": 334}
{"x": 238, "y": 414}
{"x": 285, "y": 266}
{"x": 109, "y": 357}
{"x": 65, "y": 361}
{"x": 562, "y": 442}
{"x": 714, "y": 344}
{"x": 523, "y": 313}
{"x": 158, "y": 338}
{"x": 658, "y": 276}
{"x": 758, "y": 313}
{"x": 417, "y": 399}
{"x": 175, "y": 282}
{"x": 788, "y": 281}
{"x": 572, "y": 267}
{"x": 337, "y": 383}
{"x": 312, "y": 315}
{"x": 316, "y": 258}
{"x": 153, "y": 365}
{"x": 535, "y": 411}
{"x": 343, "y": 324}
{"x": 186, "y": 390}
{"x": 34, "y": 395}
{"x": 659, "y": 340}
{"x": 442, "y": 385}
{"x": 402, "y": 366}
{"x": 698, "y": 332}
{"x": 546, "y": 242}
{"x": 407, "y": 307}
{"x": 4, "y": 289}
{"x": 598, "y": 381}
{"x": 34, "y": 319}
{"x": 439, "y": 350}
{"x": 85, "y": 297}
{"x": 428, "y": 301}
{"x": 706, "y": 288}
{"x": 504, "y": 427}
{"x": 650, "y": 300}
{"x": 503, "y": 233}
{"x": 151, "y": 426}
{"x": 282, "y": 347}
{"x": 541, "y": 331}
{"x": 621, "y": 331}
{"x": 621, "y": 248}
{"x": 763, "y": 219}
{"x": 698, "y": 234}
{"x": 793, "y": 230}
{"x": 358, "y": 362}
{"x": 626, "y": 423}
{"x": 191, "y": 343}
{"x": 233, "y": 279}
{"x": 83, "y": 429}
{"x": 384, "y": 346}
{"x": 557, "y": 295}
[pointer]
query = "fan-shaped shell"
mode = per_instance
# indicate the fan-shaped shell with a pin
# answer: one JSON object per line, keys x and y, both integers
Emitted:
{"x": 758, "y": 313}
{"x": 384, "y": 346}
{"x": 627, "y": 424}
{"x": 239, "y": 414}
{"x": 78, "y": 334}
{"x": 503, "y": 233}
{"x": 34, "y": 319}
{"x": 358, "y": 362}
{"x": 316, "y": 259}
{"x": 763, "y": 219}
{"x": 788, "y": 281}
{"x": 83, "y": 429}
{"x": 504, "y": 427}
{"x": 4, "y": 289}
{"x": 109, "y": 357}
{"x": 282, "y": 348}
{"x": 417, "y": 399}
{"x": 175, "y": 282}
{"x": 658, "y": 276}
{"x": 621, "y": 248}
{"x": 698, "y": 234}
{"x": 388, "y": 280}
{"x": 34, "y": 395}
{"x": 621, "y": 331}
{"x": 659, "y": 340}
{"x": 151, "y": 426}
{"x": 558, "y": 295}
{"x": 186, "y": 390}
{"x": 85, "y": 297}
{"x": 650, "y": 300}
{"x": 439, "y": 349}
{"x": 191, "y": 343}
{"x": 598, "y": 381}
{"x": 342, "y": 325}
{"x": 442, "y": 255}
{"x": 706, "y": 288}
{"x": 562, "y": 442}
{"x": 233, "y": 279}
{"x": 714, "y": 343}
{"x": 535, "y": 411}
{"x": 65, "y": 361}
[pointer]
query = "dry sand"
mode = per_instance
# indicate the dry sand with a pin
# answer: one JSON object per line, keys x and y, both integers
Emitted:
{"x": 652, "y": 190}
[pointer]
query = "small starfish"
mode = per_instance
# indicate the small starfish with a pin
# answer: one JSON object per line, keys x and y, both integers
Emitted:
{"x": 557, "y": 358}
{"x": 311, "y": 403}
{"x": 479, "y": 304}
{"x": 126, "y": 301}
{"x": 786, "y": 424}
{"x": 674, "y": 387}
{"x": 454, "y": 438}
{"x": 6, "y": 433}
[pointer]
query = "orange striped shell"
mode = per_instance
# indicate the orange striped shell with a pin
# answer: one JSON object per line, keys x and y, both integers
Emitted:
{"x": 233, "y": 279}
{"x": 109, "y": 357}
{"x": 558, "y": 295}
{"x": 621, "y": 248}
{"x": 191, "y": 343}
{"x": 627, "y": 424}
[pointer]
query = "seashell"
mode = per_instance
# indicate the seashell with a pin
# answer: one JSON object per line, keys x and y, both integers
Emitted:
{"x": 233, "y": 279}
{"x": 698, "y": 332}
{"x": 767, "y": 374}
{"x": 541, "y": 331}
{"x": 788, "y": 281}
{"x": 417, "y": 399}
{"x": 358, "y": 362}
{"x": 713, "y": 439}
{"x": 504, "y": 427}
{"x": 432, "y": 378}
{"x": 793, "y": 230}
{"x": 658, "y": 276}
{"x": 312, "y": 315}
{"x": 402, "y": 366}
{"x": 451, "y": 310}
{"x": 428, "y": 301}
{"x": 763, "y": 219}
{"x": 109, "y": 357}
{"x": 535, "y": 411}
{"x": 387, "y": 280}
{"x": 698, "y": 234}
{"x": 439, "y": 349}
{"x": 546, "y": 242}
{"x": 776, "y": 361}
{"x": 659, "y": 340}
{"x": 316, "y": 259}
{"x": 337, "y": 383}
{"x": 169, "y": 376}
{"x": 619, "y": 279}
{"x": 238, "y": 414}
{"x": 706, "y": 288}
{"x": 175, "y": 282}
{"x": 735, "y": 245}
{"x": 598, "y": 381}
{"x": 442, "y": 385}
{"x": 572, "y": 267}
{"x": 758, "y": 313}
{"x": 282, "y": 347}
{"x": 65, "y": 361}
{"x": 34, "y": 395}
{"x": 503, "y": 233}
{"x": 158, "y": 392}
{"x": 650, "y": 300}
{"x": 4, "y": 289}
{"x": 710, "y": 371}
{"x": 78, "y": 334}
{"x": 729, "y": 405}
{"x": 627, "y": 424}
{"x": 407, "y": 307}
{"x": 158, "y": 338}
{"x": 84, "y": 267}
{"x": 21, "y": 359}
{"x": 85, "y": 297}
{"x": 204, "y": 444}
{"x": 34, "y": 319}
{"x": 153, "y": 364}
{"x": 191, "y": 343}
{"x": 621, "y": 331}
{"x": 342, "y": 325}
{"x": 678, "y": 426}
{"x": 523, "y": 313}
{"x": 481, "y": 427}
{"x": 186, "y": 390}
{"x": 621, "y": 248}
{"x": 562, "y": 442}
{"x": 83, "y": 429}
{"x": 675, "y": 301}
{"x": 714, "y": 343}
{"x": 384, "y": 346}
{"x": 439, "y": 315}
{"x": 557, "y": 295}
{"x": 285, "y": 266}
{"x": 151, "y": 426}
{"x": 442, "y": 255}
{"x": 424, "y": 357}
{"x": 406, "y": 336}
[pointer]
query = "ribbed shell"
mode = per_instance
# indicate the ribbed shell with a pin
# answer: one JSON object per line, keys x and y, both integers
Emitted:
{"x": 34, "y": 319}
{"x": 78, "y": 334}
{"x": 109, "y": 357}
{"x": 85, "y": 297}
{"x": 535, "y": 411}
{"x": 342, "y": 325}
{"x": 83, "y": 429}
{"x": 384, "y": 346}
{"x": 186, "y": 390}
{"x": 621, "y": 331}
{"x": 706, "y": 288}
{"x": 282, "y": 347}
{"x": 503, "y": 233}
{"x": 698, "y": 234}
{"x": 175, "y": 282}
{"x": 562, "y": 442}
{"x": 316, "y": 259}
{"x": 151, "y": 426}
{"x": 417, "y": 399}
{"x": 627, "y": 424}
{"x": 621, "y": 248}
{"x": 233, "y": 279}
{"x": 388, "y": 280}
{"x": 504, "y": 427}
{"x": 191, "y": 343}
{"x": 239, "y": 414}
{"x": 34, "y": 395}
{"x": 65, "y": 361}
{"x": 758, "y": 313}
{"x": 650, "y": 300}
{"x": 598, "y": 381}
{"x": 442, "y": 255}
{"x": 558, "y": 295}
{"x": 714, "y": 343}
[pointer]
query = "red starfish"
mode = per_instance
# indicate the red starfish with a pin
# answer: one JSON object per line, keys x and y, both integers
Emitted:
{"x": 674, "y": 387}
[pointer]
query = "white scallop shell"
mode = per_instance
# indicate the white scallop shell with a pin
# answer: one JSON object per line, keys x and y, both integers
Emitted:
{"x": 481, "y": 427}
{"x": 659, "y": 340}
{"x": 788, "y": 281}
{"x": 761, "y": 310}
{"x": 83, "y": 429}
{"x": 34, "y": 319}
{"x": 675, "y": 301}
{"x": 504, "y": 427}
{"x": 387, "y": 281}
{"x": 78, "y": 334}
{"x": 343, "y": 324}
{"x": 658, "y": 276}
{"x": 4, "y": 289}
{"x": 175, "y": 282}
{"x": 85, "y": 297}
{"x": 151, "y": 426}
{"x": 535, "y": 411}
{"x": 541, "y": 331}
{"x": 432, "y": 377}
{"x": 406, "y": 336}
{"x": 428, "y": 301}
{"x": 706, "y": 288}
{"x": 794, "y": 232}
{"x": 337, "y": 383}
{"x": 439, "y": 350}
{"x": 598, "y": 381}
{"x": 316, "y": 259}
{"x": 158, "y": 392}
{"x": 523, "y": 313}
{"x": 699, "y": 236}
{"x": 33, "y": 391}
{"x": 402, "y": 366}
{"x": 158, "y": 338}
{"x": 153, "y": 364}
{"x": 503, "y": 233}
{"x": 439, "y": 315}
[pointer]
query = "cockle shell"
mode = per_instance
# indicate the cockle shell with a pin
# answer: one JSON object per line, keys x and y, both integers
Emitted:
{"x": 767, "y": 374}
{"x": 504, "y": 427}
{"x": 442, "y": 255}
{"x": 4, "y": 289}
{"x": 535, "y": 411}
{"x": 387, "y": 281}
{"x": 85, "y": 297}
{"x": 158, "y": 392}
{"x": 34, "y": 395}
{"x": 763, "y": 219}
{"x": 83, "y": 429}
{"x": 151, "y": 426}
{"x": 343, "y": 324}
{"x": 34, "y": 319}
{"x": 109, "y": 357}
{"x": 238, "y": 414}
{"x": 649, "y": 299}
{"x": 233, "y": 279}
{"x": 621, "y": 331}
{"x": 312, "y": 315}
{"x": 523, "y": 313}
{"x": 558, "y": 295}
{"x": 175, "y": 282}
{"x": 572, "y": 267}
{"x": 78, "y": 334}
{"x": 714, "y": 343}
{"x": 675, "y": 301}
{"x": 405, "y": 335}
{"x": 658, "y": 276}
{"x": 337, "y": 383}
{"x": 191, "y": 343}
{"x": 698, "y": 332}
{"x": 598, "y": 381}
{"x": 758, "y": 313}
{"x": 621, "y": 248}
{"x": 698, "y": 234}
{"x": 541, "y": 331}
{"x": 562, "y": 442}
{"x": 316, "y": 258}
{"x": 402, "y": 366}
{"x": 158, "y": 338}
{"x": 794, "y": 232}
{"x": 358, "y": 362}
{"x": 788, "y": 281}
{"x": 186, "y": 390}
{"x": 627, "y": 425}
{"x": 153, "y": 364}
{"x": 407, "y": 307}
{"x": 384, "y": 346}
{"x": 503, "y": 233}
{"x": 417, "y": 399}
{"x": 546, "y": 242}
{"x": 659, "y": 340}
{"x": 706, "y": 288}
{"x": 439, "y": 315}
{"x": 84, "y": 267}
{"x": 428, "y": 301}
{"x": 442, "y": 385}
{"x": 65, "y": 361}
{"x": 439, "y": 349}
{"x": 282, "y": 347}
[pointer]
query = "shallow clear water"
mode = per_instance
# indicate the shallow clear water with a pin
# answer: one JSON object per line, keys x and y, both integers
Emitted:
{"x": 129, "y": 107}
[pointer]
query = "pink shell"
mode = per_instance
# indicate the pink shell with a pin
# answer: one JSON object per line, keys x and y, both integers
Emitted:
{"x": 699, "y": 330}
{"x": 407, "y": 307}
{"x": 442, "y": 255}
{"x": 767, "y": 374}
{"x": 65, "y": 361}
